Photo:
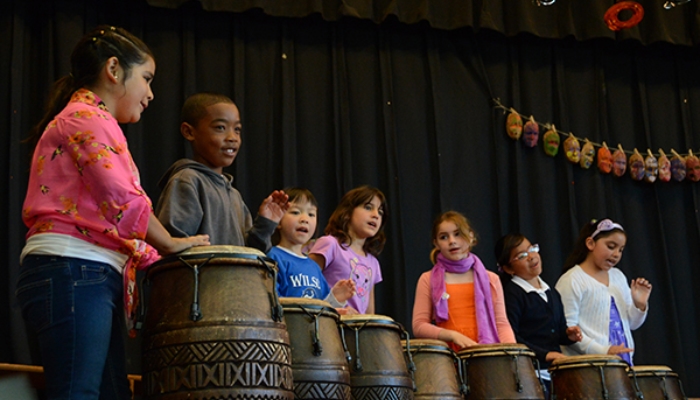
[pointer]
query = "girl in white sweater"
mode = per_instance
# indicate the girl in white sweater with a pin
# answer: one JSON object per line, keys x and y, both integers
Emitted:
{"x": 596, "y": 296}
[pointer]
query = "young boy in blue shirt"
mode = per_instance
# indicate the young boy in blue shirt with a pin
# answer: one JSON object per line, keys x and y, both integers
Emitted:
{"x": 300, "y": 276}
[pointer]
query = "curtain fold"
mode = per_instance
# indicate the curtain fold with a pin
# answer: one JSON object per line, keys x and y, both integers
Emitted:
{"x": 582, "y": 20}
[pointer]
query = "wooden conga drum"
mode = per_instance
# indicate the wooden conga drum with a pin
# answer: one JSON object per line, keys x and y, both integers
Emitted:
{"x": 591, "y": 377}
{"x": 320, "y": 368}
{"x": 214, "y": 327}
{"x": 656, "y": 382}
{"x": 379, "y": 369}
{"x": 500, "y": 371}
{"x": 436, "y": 373}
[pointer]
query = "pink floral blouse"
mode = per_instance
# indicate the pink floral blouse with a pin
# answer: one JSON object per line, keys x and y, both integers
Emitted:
{"x": 84, "y": 183}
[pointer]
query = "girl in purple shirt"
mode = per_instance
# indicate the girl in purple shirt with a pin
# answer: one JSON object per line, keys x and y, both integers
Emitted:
{"x": 354, "y": 238}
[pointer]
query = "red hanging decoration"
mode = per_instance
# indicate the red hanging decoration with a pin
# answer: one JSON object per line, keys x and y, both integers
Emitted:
{"x": 612, "y": 15}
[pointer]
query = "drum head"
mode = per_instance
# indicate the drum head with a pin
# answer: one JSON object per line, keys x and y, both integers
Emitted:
{"x": 212, "y": 255}
{"x": 428, "y": 346}
{"x": 426, "y": 343}
{"x": 362, "y": 318}
{"x": 651, "y": 370}
{"x": 303, "y": 305}
{"x": 303, "y": 302}
{"x": 488, "y": 350}
{"x": 369, "y": 320}
{"x": 244, "y": 252}
{"x": 587, "y": 361}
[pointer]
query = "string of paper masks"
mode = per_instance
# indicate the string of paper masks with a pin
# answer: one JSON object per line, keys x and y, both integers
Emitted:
{"x": 648, "y": 167}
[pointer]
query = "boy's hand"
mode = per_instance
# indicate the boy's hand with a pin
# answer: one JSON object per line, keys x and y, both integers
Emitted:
{"x": 274, "y": 206}
{"x": 343, "y": 289}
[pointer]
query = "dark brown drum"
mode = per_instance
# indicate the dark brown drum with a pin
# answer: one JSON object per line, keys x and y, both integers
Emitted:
{"x": 656, "y": 382}
{"x": 378, "y": 369}
{"x": 591, "y": 377}
{"x": 500, "y": 371}
{"x": 318, "y": 358}
{"x": 436, "y": 369}
{"x": 214, "y": 328}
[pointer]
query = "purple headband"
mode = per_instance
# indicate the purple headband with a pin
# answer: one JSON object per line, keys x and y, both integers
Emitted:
{"x": 606, "y": 225}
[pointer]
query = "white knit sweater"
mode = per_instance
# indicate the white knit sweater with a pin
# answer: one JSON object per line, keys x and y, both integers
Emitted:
{"x": 587, "y": 304}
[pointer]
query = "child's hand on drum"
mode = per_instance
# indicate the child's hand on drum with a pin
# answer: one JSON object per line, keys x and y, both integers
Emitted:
{"x": 553, "y": 355}
{"x": 457, "y": 338}
{"x": 343, "y": 290}
{"x": 181, "y": 244}
{"x": 347, "y": 311}
{"x": 574, "y": 333}
{"x": 618, "y": 349}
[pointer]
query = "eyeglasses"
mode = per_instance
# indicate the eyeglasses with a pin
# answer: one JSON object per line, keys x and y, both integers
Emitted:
{"x": 535, "y": 248}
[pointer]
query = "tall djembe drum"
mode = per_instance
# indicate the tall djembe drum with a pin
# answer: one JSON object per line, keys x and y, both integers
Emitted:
{"x": 214, "y": 328}
{"x": 319, "y": 362}
{"x": 500, "y": 371}
{"x": 656, "y": 382}
{"x": 438, "y": 370}
{"x": 379, "y": 369}
{"x": 591, "y": 377}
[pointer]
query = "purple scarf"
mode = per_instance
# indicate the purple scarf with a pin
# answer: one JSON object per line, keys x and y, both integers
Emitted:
{"x": 485, "y": 319}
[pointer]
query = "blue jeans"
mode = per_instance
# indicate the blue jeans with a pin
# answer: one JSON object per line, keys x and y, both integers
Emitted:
{"x": 76, "y": 308}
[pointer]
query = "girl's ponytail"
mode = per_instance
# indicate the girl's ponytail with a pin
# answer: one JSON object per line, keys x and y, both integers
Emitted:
{"x": 60, "y": 94}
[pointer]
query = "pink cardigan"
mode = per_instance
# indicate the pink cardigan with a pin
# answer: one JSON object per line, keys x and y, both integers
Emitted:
{"x": 423, "y": 310}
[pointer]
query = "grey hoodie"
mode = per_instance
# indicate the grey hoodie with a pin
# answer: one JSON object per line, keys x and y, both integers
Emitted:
{"x": 197, "y": 200}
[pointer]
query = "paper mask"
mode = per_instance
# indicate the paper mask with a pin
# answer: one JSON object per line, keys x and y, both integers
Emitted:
{"x": 572, "y": 147}
{"x": 514, "y": 125}
{"x": 531, "y": 132}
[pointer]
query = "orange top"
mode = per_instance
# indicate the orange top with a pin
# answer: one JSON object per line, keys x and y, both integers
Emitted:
{"x": 423, "y": 326}
{"x": 462, "y": 310}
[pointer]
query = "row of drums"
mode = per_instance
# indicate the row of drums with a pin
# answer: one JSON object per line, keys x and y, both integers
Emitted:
{"x": 215, "y": 329}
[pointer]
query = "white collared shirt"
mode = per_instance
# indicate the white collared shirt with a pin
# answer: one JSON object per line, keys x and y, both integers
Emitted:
{"x": 527, "y": 287}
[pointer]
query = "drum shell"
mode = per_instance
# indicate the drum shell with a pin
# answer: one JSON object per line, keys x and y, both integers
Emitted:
{"x": 384, "y": 373}
{"x": 507, "y": 365}
{"x": 323, "y": 376}
{"x": 436, "y": 373}
{"x": 657, "y": 383}
{"x": 579, "y": 377}
{"x": 235, "y": 350}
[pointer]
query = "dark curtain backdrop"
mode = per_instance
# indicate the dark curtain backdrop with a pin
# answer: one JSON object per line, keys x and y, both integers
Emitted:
{"x": 330, "y": 103}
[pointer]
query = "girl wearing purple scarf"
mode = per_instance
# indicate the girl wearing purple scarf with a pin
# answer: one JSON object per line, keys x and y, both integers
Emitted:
{"x": 458, "y": 300}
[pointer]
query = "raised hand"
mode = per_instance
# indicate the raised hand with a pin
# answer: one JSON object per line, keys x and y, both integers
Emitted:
{"x": 274, "y": 206}
{"x": 641, "y": 289}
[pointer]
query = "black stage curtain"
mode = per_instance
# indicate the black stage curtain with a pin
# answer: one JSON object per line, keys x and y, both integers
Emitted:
{"x": 581, "y": 19}
{"x": 330, "y": 105}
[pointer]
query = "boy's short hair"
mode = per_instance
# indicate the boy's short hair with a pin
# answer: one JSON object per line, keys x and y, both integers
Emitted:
{"x": 195, "y": 107}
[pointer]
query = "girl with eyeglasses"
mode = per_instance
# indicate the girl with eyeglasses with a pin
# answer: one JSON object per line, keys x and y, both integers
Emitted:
{"x": 596, "y": 295}
{"x": 535, "y": 310}
{"x": 459, "y": 301}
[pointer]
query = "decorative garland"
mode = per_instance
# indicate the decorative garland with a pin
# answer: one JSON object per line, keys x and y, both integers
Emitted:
{"x": 649, "y": 168}
{"x": 612, "y": 16}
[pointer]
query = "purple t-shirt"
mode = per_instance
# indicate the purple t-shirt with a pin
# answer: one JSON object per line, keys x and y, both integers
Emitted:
{"x": 343, "y": 263}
